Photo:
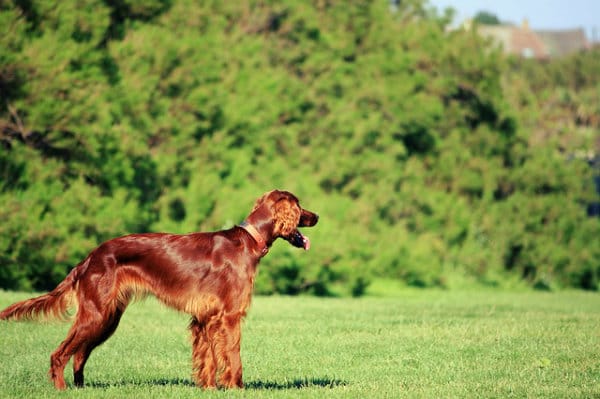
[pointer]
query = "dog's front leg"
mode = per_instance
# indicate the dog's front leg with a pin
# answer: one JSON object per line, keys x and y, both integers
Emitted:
{"x": 203, "y": 357}
{"x": 232, "y": 373}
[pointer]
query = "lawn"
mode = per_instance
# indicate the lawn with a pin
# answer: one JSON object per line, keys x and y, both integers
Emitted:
{"x": 417, "y": 344}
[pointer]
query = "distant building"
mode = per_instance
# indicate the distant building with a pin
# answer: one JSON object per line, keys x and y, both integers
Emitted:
{"x": 563, "y": 42}
{"x": 527, "y": 43}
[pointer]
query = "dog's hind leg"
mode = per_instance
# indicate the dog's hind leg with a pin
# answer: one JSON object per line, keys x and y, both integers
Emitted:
{"x": 88, "y": 331}
{"x": 59, "y": 359}
{"x": 97, "y": 318}
{"x": 101, "y": 333}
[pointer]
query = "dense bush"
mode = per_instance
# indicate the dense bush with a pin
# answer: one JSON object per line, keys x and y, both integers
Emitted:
{"x": 429, "y": 156}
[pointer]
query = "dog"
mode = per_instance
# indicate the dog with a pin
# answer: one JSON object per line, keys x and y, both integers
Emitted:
{"x": 207, "y": 275}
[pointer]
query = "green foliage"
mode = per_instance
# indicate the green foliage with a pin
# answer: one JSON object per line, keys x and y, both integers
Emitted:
{"x": 486, "y": 18}
{"x": 430, "y": 157}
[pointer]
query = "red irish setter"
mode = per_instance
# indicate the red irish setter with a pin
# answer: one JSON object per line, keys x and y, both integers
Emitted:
{"x": 208, "y": 275}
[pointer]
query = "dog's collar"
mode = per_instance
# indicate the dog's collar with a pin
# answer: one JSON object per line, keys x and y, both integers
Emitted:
{"x": 255, "y": 235}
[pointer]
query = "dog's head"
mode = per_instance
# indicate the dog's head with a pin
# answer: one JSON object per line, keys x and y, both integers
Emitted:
{"x": 285, "y": 215}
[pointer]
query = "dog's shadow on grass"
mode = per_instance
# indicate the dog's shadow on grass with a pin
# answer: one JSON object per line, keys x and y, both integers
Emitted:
{"x": 147, "y": 383}
{"x": 296, "y": 383}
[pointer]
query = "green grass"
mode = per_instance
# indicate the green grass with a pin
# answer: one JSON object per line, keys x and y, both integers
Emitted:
{"x": 428, "y": 344}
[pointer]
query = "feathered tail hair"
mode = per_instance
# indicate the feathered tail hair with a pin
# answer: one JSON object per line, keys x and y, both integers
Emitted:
{"x": 54, "y": 304}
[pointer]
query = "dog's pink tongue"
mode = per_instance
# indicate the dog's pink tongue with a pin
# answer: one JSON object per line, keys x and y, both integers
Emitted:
{"x": 306, "y": 241}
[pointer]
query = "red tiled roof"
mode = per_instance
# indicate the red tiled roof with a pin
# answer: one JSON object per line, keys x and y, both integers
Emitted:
{"x": 515, "y": 40}
{"x": 563, "y": 42}
{"x": 527, "y": 44}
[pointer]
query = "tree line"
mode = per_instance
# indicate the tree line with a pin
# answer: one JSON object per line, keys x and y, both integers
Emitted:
{"x": 430, "y": 156}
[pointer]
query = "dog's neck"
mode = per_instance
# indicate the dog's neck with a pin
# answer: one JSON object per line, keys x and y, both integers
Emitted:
{"x": 255, "y": 235}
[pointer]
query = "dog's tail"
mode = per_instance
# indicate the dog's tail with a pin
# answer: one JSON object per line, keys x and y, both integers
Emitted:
{"x": 54, "y": 304}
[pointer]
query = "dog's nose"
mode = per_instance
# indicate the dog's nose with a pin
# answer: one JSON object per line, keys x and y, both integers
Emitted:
{"x": 308, "y": 219}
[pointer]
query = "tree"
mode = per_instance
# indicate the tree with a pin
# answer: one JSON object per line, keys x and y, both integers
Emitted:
{"x": 423, "y": 149}
{"x": 486, "y": 18}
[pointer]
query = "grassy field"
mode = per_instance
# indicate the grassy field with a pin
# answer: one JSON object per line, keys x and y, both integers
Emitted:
{"x": 418, "y": 344}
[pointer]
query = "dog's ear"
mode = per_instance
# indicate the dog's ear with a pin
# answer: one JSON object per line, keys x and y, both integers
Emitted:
{"x": 259, "y": 202}
{"x": 286, "y": 216}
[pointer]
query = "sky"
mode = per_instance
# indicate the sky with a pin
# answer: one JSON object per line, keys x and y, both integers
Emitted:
{"x": 541, "y": 14}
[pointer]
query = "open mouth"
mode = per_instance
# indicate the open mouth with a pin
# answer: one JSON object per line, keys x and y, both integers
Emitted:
{"x": 299, "y": 240}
